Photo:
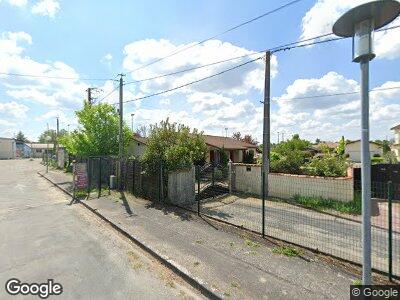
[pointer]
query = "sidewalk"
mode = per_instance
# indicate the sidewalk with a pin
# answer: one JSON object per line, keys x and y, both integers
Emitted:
{"x": 230, "y": 265}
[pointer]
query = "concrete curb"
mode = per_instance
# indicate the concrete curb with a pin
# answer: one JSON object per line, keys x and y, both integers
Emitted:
{"x": 178, "y": 270}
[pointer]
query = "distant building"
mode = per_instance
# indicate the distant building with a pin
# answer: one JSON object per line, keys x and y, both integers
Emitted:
{"x": 353, "y": 150}
{"x": 234, "y": 149}
{"x": 39, "y": 149}
{"x": 396, "y": 146}
{"x": 8, "y": 148}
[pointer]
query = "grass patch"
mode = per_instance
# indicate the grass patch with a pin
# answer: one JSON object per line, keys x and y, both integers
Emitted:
{"x": 321, "y": 204}
{"x": 234, "y": 284}
{"x": 200, "y": 242}
{"x": 251, "y": 244}
{"x": 356, "y": 282}
{"x": 196, "y": 263}
{"x": 287, "y": 251}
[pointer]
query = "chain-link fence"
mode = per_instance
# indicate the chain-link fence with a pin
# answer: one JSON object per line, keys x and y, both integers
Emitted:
{"x": 322, "y": 214}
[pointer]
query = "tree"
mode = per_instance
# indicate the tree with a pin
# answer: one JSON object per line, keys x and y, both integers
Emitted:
{"x": 52, "y": 134}
{"x": 247, "y": 138}
{"x": 142, "y": 131}
{"x": 21, "y": 137}
{"x": 97, "y": 133}
{"x": 174, "y": 146}
{"x": 296, "y": 136}
{"x": 317, "y": 141}
{"x": 237, "y": 136}
{"x": 341, "y": 148}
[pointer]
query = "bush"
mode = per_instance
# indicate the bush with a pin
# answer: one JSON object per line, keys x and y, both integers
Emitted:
{"x": 376, "y": 159}
{"x": 376, "y": 155}
{"x": 291, "y": 164}
{"x": 248, "y": 157}
{"x": 327, "y": 166}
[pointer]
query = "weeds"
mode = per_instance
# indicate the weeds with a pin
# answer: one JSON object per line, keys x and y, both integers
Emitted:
{"x": 287, "y": 251}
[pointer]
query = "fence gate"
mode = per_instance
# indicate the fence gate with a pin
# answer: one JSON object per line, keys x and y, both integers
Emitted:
{"x": 212, "y": 181}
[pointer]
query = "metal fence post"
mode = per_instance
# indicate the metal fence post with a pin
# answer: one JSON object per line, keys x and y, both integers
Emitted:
{"x": 133, "y": 176}
{"x": 198, "y": 189}
{"x": 99, "y": 180}
{"x": 390, "y": 232}
{"x": 89, "y": 172}
{"x": 161, "y": 189}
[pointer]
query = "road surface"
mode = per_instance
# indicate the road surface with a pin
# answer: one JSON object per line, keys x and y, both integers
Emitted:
{"x": 42, "y": 237}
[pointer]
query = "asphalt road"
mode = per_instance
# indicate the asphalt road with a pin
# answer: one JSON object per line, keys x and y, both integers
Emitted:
{"x": 42, "y": 237}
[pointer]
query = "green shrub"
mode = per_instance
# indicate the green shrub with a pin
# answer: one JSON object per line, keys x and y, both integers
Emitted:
{"x": 327, "y": 166}
{"x": 376, "y": 159}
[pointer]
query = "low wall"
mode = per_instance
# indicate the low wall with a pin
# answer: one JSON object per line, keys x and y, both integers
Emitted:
{"x": 181, "y": 187}
{"x": 247, "y": 179}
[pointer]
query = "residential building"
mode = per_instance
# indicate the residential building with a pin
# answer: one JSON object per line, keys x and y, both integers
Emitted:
{"x": 396, "y": 145}
{"x": 8, "y": 148}
{"x": 39, "y": 149}
{"x": 353, "y": 150}
{"x": 137, "y": 147}
{"x": 234, "y": 149}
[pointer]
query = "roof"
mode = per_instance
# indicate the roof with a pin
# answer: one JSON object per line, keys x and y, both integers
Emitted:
{"x": 4, "y": 138}
{"x": 395, "y": 127}
{"x": 227, "y": 143}
{"x": 214, "y": 141}
{"x": 328, "y": 144}
{"x": 140, "y": 139}
{"x": 40, "y": 146}
{"x": 356, "y": 141}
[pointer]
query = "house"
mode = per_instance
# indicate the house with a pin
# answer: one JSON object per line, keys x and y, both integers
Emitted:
{"x": 137, "y": 147}
{"x": 8, "y": 148}
{"x": 39, "y": 149}
{"x": 234, "y": 149}
{"x": 353, "y": 150}
{"x": 396, "y": 146}
{"x": 23, "y": 149}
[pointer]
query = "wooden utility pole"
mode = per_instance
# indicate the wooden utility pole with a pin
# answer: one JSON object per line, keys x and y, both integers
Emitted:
{"x": 266, "y": 137}
{"x": 57, "y": 134}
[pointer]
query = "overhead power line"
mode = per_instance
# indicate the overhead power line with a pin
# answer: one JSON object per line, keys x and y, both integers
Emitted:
{"x": 297, "y": 44}
{"x": 193, "y": 82}
{"x": 337, "y": 94}
{"x": 217, "y": 35}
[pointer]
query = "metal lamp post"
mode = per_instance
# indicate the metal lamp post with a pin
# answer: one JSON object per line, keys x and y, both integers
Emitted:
{"x": 132, "y": 120}
{"x": 359, "y": 23}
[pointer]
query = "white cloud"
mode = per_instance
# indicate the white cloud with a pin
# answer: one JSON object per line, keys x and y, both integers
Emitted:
{"x": 14, "y": 109}
{"x": 108, "y": 57}
{"x": 47, "y": 91}
{"x": 18, "y": 3}
{"x": 165, "y": 101}
{"x": 321, "y": 17}
{"x": 236, "y": 82}
{"x": 46, "y": 8}
{"x": 330, "y": 117}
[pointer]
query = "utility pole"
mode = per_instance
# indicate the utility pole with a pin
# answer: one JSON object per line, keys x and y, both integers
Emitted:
{"x": 283, "y": 136}
{"x": 47, "y": 149}
{"x": 89, "y": 95}
{"x": 278, "y": 137}
{"x": 266, "y": 137}
{"x": 121, "y": 132}
{"x": 57, "y": 146}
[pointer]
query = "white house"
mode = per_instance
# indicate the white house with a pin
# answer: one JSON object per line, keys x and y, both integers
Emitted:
{"x": 396, "y": 146}
{"x": 8, "y": 148}
{"x": 353, "y": 150}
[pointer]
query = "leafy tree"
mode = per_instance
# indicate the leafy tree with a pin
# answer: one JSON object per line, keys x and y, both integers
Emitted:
{"x": 328, "y": 166}
{"x": 247, "y": 138}
{"x": 52, "y": 134}
{"x": 142, "y": 131}
{"x": 174, "y": 146}
{"x": 296, "y": 136}
{"x": 317, "y": 141}
{"x": 248, "y": 157}
{"x": 237, "y": 136}
{"x": 341, "y": 148}
{"x": 21, "y": 137}
{"x": 97, "y": 133}
{"x": 385, "y": 146}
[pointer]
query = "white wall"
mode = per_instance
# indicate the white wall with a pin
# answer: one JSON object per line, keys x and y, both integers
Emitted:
{"x": 136, "y": 149}
{"x": 8, "y": 148}
{"x": 354, "y": 150}
{"x": 247, "y": 179}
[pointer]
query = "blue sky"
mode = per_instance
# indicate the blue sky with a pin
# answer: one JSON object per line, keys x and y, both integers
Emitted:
{"x": 99, "y": 39}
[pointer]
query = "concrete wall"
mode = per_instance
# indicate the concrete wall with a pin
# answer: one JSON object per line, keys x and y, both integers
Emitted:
{"x": 181, "y": 187}
{"x": 7, "y": 148}
{"x": 247, "y": 179}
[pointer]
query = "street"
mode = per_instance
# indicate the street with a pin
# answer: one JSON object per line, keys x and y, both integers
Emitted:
{"x": 42, "y": 237}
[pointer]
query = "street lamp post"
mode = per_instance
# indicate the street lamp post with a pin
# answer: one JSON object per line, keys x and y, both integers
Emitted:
{"x": 359, "y": 23}
{"x": 132, "y": 120}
